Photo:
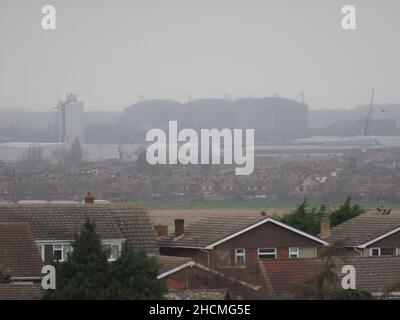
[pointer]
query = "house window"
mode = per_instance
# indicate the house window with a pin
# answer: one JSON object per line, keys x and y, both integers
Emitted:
{"x": 307, "y": 252}
{"x": 224, "y": 258}
{"x": 58, "y": 252}
{"x": 294, "y": 252}
{"x": 41, "y": 251}
{"x": 229, "y": 258}
{"x": 388, "y": 251}
{"x": 112, "y": 251}
{"x": 376, "y": 252}
{"x": 240, "y": 259}
{"x": 67, "y": 250}
{"x": 267, "y": 253}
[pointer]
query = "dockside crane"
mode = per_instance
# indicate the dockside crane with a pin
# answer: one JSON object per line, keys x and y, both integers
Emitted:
{"x": 368, "y": 119}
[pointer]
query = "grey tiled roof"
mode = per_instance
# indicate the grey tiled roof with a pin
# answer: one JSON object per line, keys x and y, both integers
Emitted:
{"x": 363, "y": 228}
{"x": 209, "y": 230}
{"x": 136, "y": 227}
{"x": 63, "y": 222}
{"x": 19, "y": 255}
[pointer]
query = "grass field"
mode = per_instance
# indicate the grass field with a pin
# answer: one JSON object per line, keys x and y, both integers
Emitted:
{"x": 244, "y": 204}
{"x": 164, "y": 212}
{"x": 216, "y": 204}
{"x": 167, "y": 216}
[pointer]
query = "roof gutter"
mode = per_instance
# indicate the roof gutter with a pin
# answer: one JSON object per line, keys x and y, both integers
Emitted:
{"x": 358, "y": 251}
{"x": 103, "y": 241}
{"x": 208, "y": 256}
{"x": 178, "y": 246}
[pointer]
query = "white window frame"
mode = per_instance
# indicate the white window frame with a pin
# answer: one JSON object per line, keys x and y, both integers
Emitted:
{"x": 62, "y": 251}
{"x": 241, "y": 254}
{"x": 42, "y": 245}
{"x": 275, "y": 254}
{"x": 296, "y": 253}
{"x": 112, "y": 244}
{"x": 220, "y": 265}
{"x": 41, "y": 249}
{"x": 380, "y": 252}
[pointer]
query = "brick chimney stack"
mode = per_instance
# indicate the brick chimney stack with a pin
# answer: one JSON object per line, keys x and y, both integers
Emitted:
{"x": 89, "y": 198}
{"x": 325, "y": 227}
{"x": 179, "y": 227}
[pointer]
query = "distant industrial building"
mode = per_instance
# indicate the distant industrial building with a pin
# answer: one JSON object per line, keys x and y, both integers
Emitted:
{"x": 70, "y": 126}
{"x": 20, "y": 151}
{"x": 70, "y": 120}
{"x": 385, "y": 121}
{"x": 281, "y": 127}
{"x": 272, "y": 118}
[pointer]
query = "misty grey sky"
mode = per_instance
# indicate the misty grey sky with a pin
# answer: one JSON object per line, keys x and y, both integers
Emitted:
{"x": 110, "y": 52}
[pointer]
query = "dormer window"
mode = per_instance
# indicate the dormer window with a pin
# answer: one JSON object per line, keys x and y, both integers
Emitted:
{"x": 58, "y": 252}
{"x": 112, "y": 251}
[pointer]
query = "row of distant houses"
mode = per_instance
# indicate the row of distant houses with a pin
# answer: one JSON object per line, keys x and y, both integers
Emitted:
{"x": 237, "y": 257}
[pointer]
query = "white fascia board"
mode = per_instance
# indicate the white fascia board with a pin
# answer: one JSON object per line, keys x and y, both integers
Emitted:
{"x": 180, "y": 247}
{"x": 108, "y": 241}
{"x": 364, "y": 245}
{"x": 176, "y": 269}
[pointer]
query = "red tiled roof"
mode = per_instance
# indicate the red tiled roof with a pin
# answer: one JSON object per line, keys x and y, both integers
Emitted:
{"x": 213, "y": 294}
{"x": 374, "y": 274}
{"x": 20, "y": 291}
{"x": 168, "y": 263}
{"x": 283, "y": 275}
{"x": 19, "y": 255}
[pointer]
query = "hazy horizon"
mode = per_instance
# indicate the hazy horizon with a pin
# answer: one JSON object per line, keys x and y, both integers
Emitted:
{"x": 110, "y": 53}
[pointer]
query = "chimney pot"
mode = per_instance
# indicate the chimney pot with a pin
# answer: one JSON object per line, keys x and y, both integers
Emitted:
{"x": 179, "y": 227}
{"x": 89, "y": 198}
{"x": 325, "y": 227}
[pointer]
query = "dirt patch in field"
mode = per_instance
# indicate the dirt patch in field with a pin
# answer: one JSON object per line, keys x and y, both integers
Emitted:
{"x": 167, "y": 216}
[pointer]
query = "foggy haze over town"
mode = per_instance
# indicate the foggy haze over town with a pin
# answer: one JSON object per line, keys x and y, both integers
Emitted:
{"x": 111, "y": 53}
{"x": 160, "y": 150}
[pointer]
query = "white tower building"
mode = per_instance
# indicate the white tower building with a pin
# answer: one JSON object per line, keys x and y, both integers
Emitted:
{"x": 70, "y": 120}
